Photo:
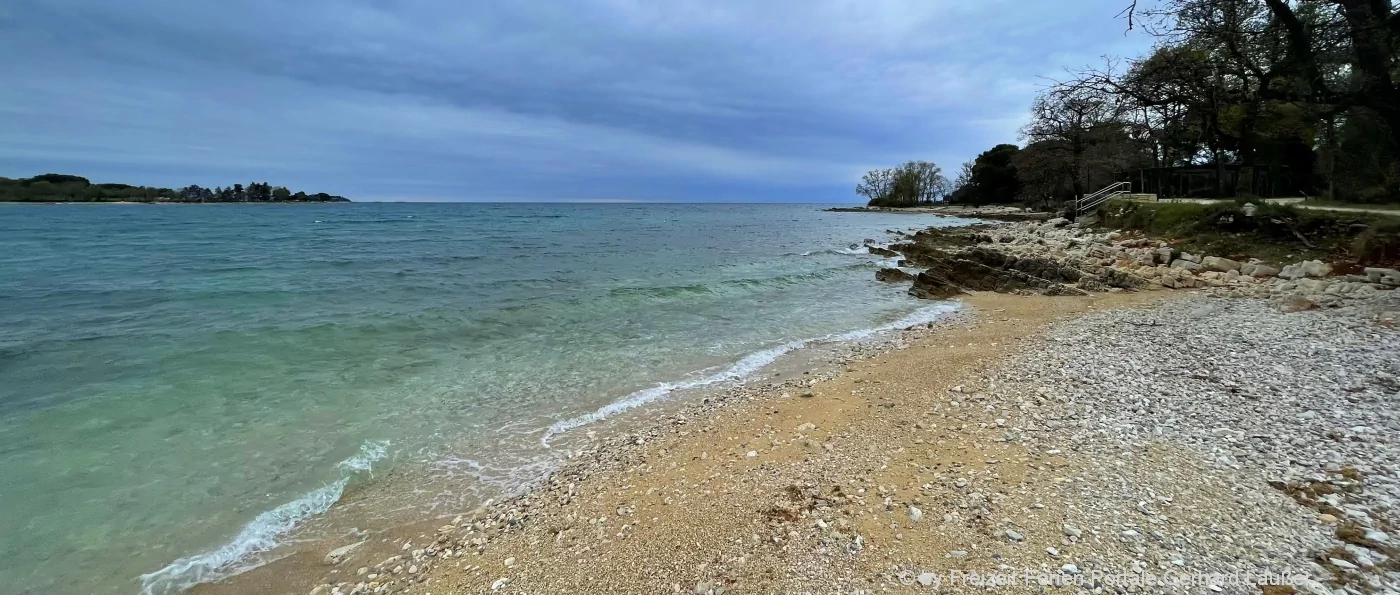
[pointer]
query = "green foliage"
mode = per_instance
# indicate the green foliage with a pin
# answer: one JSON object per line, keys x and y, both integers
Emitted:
{"x": 65, "y": 188}
{"x": 1278, "y": 232}
{"x": 992, "y": 180}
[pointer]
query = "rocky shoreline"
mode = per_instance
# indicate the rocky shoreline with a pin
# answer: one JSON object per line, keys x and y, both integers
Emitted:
{"x": 1079, "y": 426}
{"x": 1057, "y": 258}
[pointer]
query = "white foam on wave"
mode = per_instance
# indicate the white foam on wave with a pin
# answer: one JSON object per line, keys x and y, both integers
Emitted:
{"x": 261, "y": 534}
{"x": 749, "y": 364}
{"x": 741, "y": 369}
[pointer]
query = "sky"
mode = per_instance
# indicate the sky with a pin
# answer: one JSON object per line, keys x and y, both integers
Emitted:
{"x": 648, "y": 100}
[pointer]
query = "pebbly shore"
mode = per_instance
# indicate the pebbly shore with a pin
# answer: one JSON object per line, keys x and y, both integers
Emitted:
{"x": 1105, "y": 422}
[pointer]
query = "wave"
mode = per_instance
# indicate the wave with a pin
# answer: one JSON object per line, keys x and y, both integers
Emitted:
{"x": 261, "y": 534}
{"x": 741, "y": 369}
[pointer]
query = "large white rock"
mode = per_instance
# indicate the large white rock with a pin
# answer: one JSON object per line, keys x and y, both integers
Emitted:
{"x": 1182, "y": 263}
{"x": 1216, "y": 263}
{"x": 1316, "y": 268}
{"x": 1264, "y": 270}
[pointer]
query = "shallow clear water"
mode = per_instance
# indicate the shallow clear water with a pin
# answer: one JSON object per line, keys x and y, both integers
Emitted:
{"x": 170, "y": 373}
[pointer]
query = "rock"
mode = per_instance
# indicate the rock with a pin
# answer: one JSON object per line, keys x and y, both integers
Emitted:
{"x": 1190, "y": 257}
{"x": 1165, "y": 255}
{"x": 1249, "y": 209}
{"x": 929, "y": 285}
{"x": 1072, "y": 531}
{"x": 1264, "y": 270}
{"x": 885, "y": 252}
{"x": 1247, "y": 269}
{"x": 1316, "y": 268}
{"x": 1343, "y": 564}
{"x": 915, "y": 514}
{"x": 926, "y": 578}
{"x": 1069, "y": 569}
{"x": 499, "y": 584}
{"x": 957, "y": 554}
{"x": 1188, "y": 265}
{"x": 1327, "y": 518}
{"x": 1054, "y": 553}
{"x": 510, "y": 562}
{"x": 1223, "y": 265}
{"x": 1313, "y": 285}
{"x": 1390, "y": 277}
{"x": 1291, "y": 272}
{"x": 341, "y": 553}
{"x": 1013, "y": 535}
{"x": 1058, "y": 222}
{"x": 1377, "y": 536}
{"x": 1297, "y": 303}
{"x": 888, "y": 275}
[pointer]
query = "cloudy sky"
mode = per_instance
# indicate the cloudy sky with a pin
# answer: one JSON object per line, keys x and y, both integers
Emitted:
{"x": 671, "y": 100}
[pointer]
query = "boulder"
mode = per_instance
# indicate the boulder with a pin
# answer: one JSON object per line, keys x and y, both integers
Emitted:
{"x": 1292, "y": 271}
{"x": 1166, "y": 255}
{"x": 1264, "y": 270}
{"x": 1390, "y": 277}
{"x": 1316, "y": 268}
{"x": 893, "y": 276}
{"x": 1247, "y": 269}
{"x": 1216, "y": 263}
{"x": 1190, "y": 257}
{"x": 1058, "y": 222}
{"x": 885, "y": 252}
{"x": 1182, "y": 263}
{"x": 930, "y": 285}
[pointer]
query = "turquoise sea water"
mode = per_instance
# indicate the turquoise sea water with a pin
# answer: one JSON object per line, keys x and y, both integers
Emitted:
{"x": 181, "y": 385}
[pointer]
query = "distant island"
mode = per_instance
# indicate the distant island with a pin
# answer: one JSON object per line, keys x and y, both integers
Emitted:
{"x": 65, "y": 188}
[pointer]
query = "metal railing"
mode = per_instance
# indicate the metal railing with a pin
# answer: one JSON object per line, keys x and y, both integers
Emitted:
{"x": 1090, "y": 202}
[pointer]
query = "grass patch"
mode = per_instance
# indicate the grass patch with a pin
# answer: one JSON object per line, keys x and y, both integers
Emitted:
{"x": 1275, "y": 233}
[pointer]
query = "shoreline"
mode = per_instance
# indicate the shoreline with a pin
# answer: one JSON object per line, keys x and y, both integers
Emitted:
{"x": 609, "y": 518}
{"x": 303, "y": 568}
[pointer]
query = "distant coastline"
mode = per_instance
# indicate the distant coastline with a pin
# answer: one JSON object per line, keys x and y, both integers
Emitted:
{"x": 68, "y": 189}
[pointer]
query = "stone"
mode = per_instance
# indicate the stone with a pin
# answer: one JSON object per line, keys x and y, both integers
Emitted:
{"x": 1247, "y": 269}
{"x": 957, "y": 554}
{"x": 1165, "y": 256}
{"x": 915, "y": 514}
{"x": 1297, "y": 303}
{"x": 889, "y": 275}
{"x": 510, "y": 562}
{"x": 1069, "y": 569}
{"x": 1058, "y": 222}
{"x": 1313, "y": 285}
{"x": 1073, "y": 531}
{"x": 341, "y": 554}
{"x": 1188, "y": 257}
{"x": 1249, "y": 209}
{"x": 1054, "y": 553}
{"x": 1184, "y": 264}
{"x": 1264, "y": 270}
{"x": 1218, "y": 264}
{"x": 1013, "y": 535}
{"x": 499, "y": 584}
{"x": 1343, "y": 564}
{"x": 926, "y": 578}
{"x": 1316, "y": 268}
{"x": 1390, "y": 277}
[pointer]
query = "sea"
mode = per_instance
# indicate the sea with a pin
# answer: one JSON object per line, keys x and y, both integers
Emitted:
{"x": 185, "y": 387}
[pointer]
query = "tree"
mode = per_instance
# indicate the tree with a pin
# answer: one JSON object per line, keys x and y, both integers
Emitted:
{"x": 989, "y": 179}
{"x": 908, "y": 185}
{"x": 281, "y": 194}
{"x": 1070, "y": 119}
